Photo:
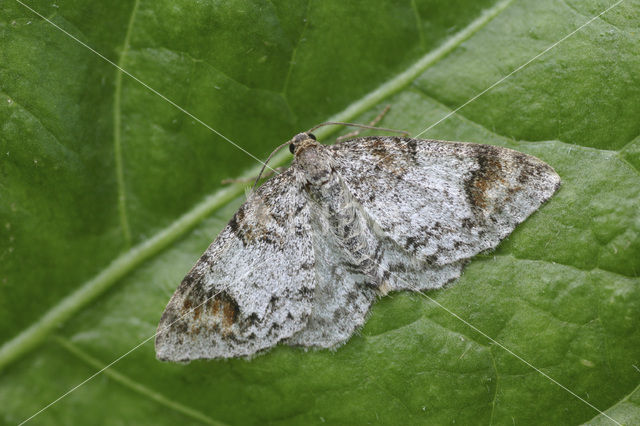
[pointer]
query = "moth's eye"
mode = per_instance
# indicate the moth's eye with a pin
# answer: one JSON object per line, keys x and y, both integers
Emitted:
{"x": 292, "y": 148}
{"x": 312, "y": 136}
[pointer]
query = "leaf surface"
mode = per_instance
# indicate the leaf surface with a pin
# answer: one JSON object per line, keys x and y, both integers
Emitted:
{"x": 109, "y": 194}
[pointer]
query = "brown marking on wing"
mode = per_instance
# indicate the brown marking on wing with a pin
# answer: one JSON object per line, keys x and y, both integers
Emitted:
{"x": 249, "y": 234}
{"x": 188, "y": 326}
{"x": 224, "y": 312}
{"x": 216, "y": 314}
{"x": 186, "y": 306}
{"x": 386, "y": 158}
{"x": 249, "y": 223}
{"x": 229, "y": 316}
{"x": 197, "y": 312}
{"x": 214, "y": 306}
{"x": 511, "y": 192}
{"x": 254, "y": 233}
{"x": 486, "y": 176}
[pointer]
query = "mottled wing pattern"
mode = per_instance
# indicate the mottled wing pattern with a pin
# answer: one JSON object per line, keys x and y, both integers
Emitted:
{"x": 441, "y": 202}
{"x": 252, "y": 288}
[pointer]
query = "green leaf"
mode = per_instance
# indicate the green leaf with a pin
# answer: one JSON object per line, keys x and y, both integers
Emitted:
{"x": 109, "y": 193}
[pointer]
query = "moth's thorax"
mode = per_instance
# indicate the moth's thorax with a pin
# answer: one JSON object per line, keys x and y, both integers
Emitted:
{"x": 312, "y": 161}
{"x": 340, "y": 215}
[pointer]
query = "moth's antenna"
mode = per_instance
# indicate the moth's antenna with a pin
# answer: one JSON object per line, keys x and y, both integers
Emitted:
{"x": 364, "y": 126}
{"x": 267, "y": 162}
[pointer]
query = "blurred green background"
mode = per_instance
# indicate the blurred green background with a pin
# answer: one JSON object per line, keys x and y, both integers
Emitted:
{"x": 109, "y": 194}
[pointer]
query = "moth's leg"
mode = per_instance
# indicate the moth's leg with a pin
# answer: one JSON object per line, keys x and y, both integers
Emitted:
{"x": 265, "y": 175}
{"x": 373, "y": 123}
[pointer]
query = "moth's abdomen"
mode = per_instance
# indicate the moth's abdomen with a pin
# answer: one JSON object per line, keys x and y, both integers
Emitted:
{"x": 347, "y": 225}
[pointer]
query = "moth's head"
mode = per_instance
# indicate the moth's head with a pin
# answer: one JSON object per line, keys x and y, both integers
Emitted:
{"x": 302, "y": 141}
{"x": 310, "y": 158}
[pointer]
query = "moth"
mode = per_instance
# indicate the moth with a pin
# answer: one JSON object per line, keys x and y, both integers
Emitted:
{"x": 304, "y": 258}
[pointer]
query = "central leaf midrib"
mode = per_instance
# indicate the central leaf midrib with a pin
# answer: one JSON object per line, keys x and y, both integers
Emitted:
{"x": 117, "y": 130}
{"x": 31, "y": 337}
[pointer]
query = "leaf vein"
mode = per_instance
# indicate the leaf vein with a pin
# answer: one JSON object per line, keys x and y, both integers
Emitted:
{"x": 117, "y": 130}
{"x": 610, "y": 409}
{"x": 422, "y": 91}
{"x": 292, "y": 59}
{"x": 599, "y": 18}
{"x": 414, "y": 7}
{"x": 495, "y": 394}
{"x": 584, "y": 270}
{"x": 135, "y": 386}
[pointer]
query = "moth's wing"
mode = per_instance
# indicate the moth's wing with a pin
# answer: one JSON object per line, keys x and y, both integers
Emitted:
{"x": 252, "y": 287}
{"x": 343, "y": 295}
{"x": 442, "y": 202}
